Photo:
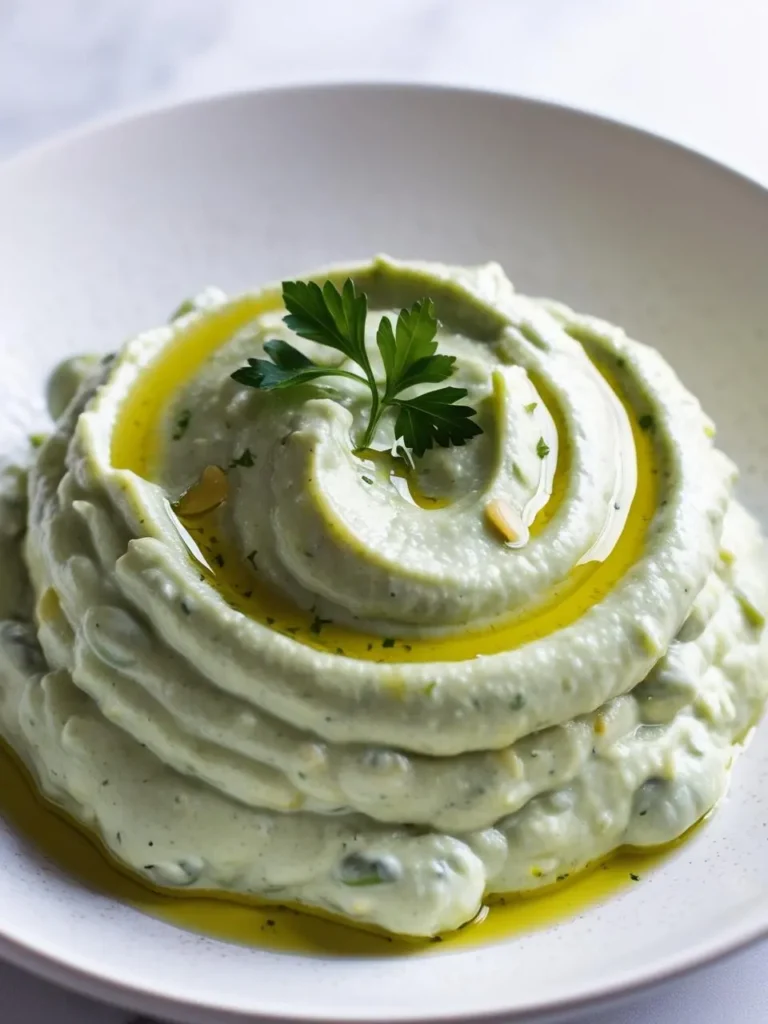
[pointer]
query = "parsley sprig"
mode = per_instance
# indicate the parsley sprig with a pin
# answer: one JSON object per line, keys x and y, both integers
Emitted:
{"x": 408, "y": 352}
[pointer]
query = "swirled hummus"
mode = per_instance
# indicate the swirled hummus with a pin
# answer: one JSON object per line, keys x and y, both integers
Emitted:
{"x": 256, "y": 660}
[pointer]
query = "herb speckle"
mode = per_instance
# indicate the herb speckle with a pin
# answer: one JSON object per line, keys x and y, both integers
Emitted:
{"x": 187, "y": 306}
{"x": 542, "y": 448}
{"x": 182, "y": 422}
{"x": 245, "y": 460}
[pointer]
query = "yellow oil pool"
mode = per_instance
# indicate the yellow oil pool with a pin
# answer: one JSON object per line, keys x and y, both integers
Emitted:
{"x": 137, "y": 446}
{"x": 79, "y": 854}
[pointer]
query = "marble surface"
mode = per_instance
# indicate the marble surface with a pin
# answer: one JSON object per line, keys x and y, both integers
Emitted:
{"x": 693, "y": 70}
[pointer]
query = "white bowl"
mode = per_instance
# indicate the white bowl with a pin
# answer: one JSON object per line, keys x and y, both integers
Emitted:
{"x": 104, "y": 233}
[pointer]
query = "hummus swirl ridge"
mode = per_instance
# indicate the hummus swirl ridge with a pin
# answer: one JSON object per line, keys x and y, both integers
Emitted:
{"x": 258, "y": 661}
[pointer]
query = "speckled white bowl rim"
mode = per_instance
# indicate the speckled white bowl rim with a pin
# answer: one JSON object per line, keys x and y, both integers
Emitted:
{"x": 106, "y": 229}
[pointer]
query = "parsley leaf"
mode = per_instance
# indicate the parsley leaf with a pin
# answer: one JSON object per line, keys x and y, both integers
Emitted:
{"x": 332, "y": 318}
{"x": 409, "y": 354}
{"x": 434, "y": 417}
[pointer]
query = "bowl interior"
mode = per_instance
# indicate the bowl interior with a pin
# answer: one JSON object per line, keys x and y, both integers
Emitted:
{"x": 104, "y": 234}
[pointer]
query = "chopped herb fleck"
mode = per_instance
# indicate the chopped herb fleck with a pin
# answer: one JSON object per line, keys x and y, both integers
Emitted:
{"x": 219, "y": 560}
{"x": 185, "y": 607}
{"x": 182, "y": 423}
{"x": 367, "y": 480}
{"x": 357, "y": 869}
{"x": 751, "y": 612}
{"x": 318, "y": 623}
{"x": 542, "y": 448}
{"x": 388, "y": 641}
{"x": 635, "y": 878}
{"x": 517, "y": 702}
{"x": 647, "y": 422}
{"x": 531, "y": 407}
{"x": 429, "y": 689}
{"x": 251, "y": 556}
{"x": 187, "y": 306}
{"x": 270, "y": 621}
{"x": 245, "y": 460}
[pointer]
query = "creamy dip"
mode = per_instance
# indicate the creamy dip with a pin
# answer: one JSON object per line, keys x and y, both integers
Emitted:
{"x": 256, "y": 660}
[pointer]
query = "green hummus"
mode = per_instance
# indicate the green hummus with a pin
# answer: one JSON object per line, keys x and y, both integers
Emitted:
{"x": 259, "y": 661}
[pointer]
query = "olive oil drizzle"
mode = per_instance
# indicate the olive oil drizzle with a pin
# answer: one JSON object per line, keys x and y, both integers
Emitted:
{"x": 393, "y": 469}
{"x": 137, "y": 446}
{"x": 252, "y": 922}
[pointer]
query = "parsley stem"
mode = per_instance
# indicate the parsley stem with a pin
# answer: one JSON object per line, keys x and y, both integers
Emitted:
{"x": 373, "y": 420}
{"x": 376, "y": 405}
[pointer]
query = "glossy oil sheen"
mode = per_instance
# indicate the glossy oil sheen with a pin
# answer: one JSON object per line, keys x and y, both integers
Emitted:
{"x": 103, "y": 230}
{"x": 79, "y": 853}
{"x": 136, "y": 446}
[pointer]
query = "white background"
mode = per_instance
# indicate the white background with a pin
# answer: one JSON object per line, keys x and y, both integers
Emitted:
{"x": 693, "y": 70}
